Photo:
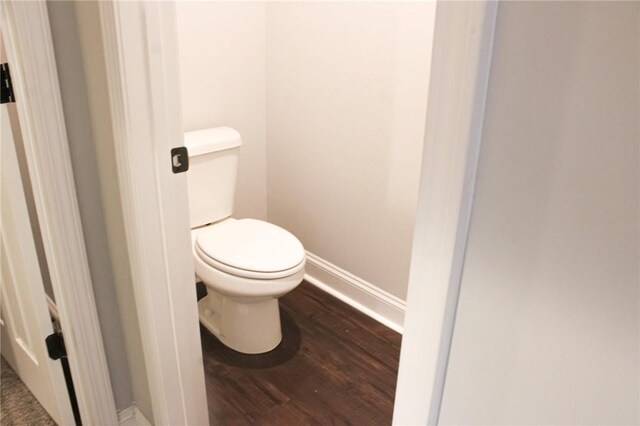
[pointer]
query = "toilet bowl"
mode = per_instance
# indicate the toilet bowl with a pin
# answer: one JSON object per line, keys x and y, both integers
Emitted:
{"x": 245, "y": 264}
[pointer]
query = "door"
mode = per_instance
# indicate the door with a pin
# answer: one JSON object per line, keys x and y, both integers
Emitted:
{"x": 24, "y": 316}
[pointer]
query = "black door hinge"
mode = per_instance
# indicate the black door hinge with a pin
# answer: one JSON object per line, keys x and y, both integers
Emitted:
{"x": 55, "y": 346}
{"x": 179, "y": 159}
{"x": 6, "y": 86}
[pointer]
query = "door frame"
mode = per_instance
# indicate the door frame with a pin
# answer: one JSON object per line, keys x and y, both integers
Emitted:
{"x": 140, "y": 47}
{"x": 27, "y": 36}
{"x": 462, "y": 50}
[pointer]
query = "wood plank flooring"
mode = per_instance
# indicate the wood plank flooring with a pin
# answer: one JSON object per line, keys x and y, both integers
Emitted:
{"x": 335, "y": 365}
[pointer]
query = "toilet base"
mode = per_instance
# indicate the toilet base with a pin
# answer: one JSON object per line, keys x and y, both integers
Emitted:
{"x": 250, "y": 326}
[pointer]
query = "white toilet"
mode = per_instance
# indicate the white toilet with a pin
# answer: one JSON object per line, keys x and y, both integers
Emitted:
{"x": 246, "y": 264}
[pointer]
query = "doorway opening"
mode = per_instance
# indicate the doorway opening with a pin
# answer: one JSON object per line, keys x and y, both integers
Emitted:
{"x": 329, "y": 101}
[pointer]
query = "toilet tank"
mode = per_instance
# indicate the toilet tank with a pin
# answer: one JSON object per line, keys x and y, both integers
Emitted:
{"x": 211, "y": 178}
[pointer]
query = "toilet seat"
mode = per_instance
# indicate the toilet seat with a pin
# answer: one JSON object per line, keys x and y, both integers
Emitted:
{"x": 250, "y": 248}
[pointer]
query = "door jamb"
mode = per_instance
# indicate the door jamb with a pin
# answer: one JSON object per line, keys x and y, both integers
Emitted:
{"x": 27, "y": 36}
{"x": 462, "y": 48}
{"x": 140, "y": 48}
{"x": 463, "y": 42}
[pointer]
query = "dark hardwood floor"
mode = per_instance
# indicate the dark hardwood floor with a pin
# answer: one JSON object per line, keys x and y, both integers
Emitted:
{"x": 335, "y": 365}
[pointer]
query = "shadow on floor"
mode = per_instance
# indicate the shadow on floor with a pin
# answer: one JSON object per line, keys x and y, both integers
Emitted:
{"x": 287, "y": 349}
{"x": 335, "y": 365}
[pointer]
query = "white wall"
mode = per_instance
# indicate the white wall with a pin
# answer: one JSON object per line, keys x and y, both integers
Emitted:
{"x": 548, "y": 321}
{"x": 332, "y": 148}
{"x": 346, "y": 101}
{"x": 222, "y": 67}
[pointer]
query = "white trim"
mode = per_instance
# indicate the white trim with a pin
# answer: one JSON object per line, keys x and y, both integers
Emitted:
{"x": 354, "y": 291}
{"x": 30, "y": 52}
{"x": 132, "y": 416}
{"x": 457, "y": 92}
{"x": 140, "y": 56}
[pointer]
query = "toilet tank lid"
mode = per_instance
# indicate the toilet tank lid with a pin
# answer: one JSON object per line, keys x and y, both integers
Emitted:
{"x": 205, "y": 141}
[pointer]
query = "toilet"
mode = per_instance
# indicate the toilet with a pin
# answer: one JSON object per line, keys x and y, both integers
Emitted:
{"x": 245, "y": 264}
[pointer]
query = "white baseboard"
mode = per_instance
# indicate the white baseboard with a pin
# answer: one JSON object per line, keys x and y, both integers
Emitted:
{"x": 132, "y": 416}
{"x": 362, "y": 295}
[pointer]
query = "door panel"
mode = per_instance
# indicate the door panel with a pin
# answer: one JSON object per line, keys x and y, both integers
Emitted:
{"x": 25, "y": 318}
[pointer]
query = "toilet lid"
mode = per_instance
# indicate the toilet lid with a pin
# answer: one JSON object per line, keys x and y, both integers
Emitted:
{"x": 251, "y": 245}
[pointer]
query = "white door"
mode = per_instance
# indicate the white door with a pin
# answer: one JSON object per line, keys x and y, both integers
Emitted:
{"x": 24, "y": 316}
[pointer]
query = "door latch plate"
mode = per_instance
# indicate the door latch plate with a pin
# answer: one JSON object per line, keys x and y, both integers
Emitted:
{"x": 179, "y": 159}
